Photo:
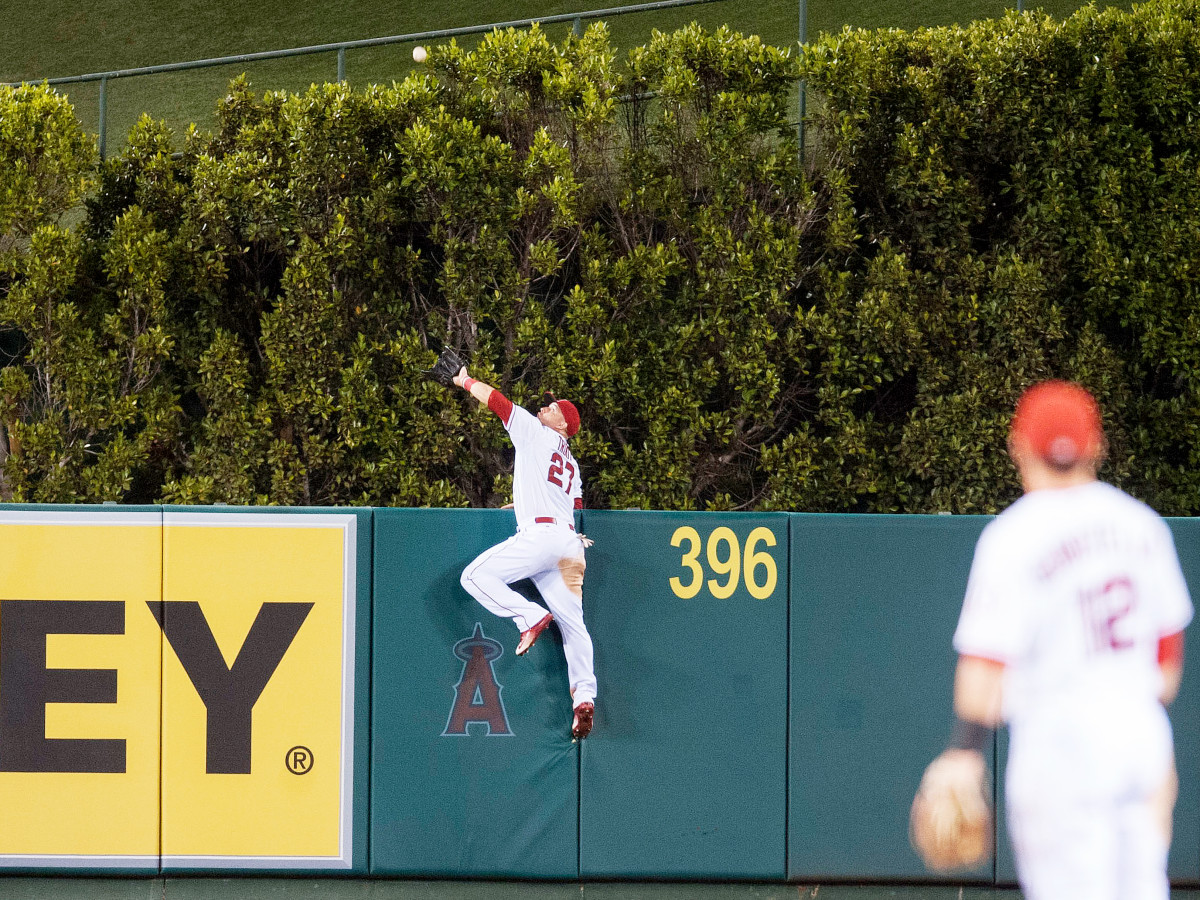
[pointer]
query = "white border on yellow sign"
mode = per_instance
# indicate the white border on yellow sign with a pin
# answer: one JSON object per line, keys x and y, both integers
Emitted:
{"x": 348, "y": 524}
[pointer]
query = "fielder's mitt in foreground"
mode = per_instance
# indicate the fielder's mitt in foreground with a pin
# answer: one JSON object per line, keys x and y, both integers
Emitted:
{"x": 951, "y": 821}
{"x": 447, "y": 366}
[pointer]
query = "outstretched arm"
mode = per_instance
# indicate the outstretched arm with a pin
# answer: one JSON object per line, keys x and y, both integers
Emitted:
{"x": 485, "y": 394}
{"x": 480, "y": 390}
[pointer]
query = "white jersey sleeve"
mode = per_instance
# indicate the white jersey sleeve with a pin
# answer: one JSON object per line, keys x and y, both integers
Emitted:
{"x": 1174, "y": 606}
{"x": 994, "y": 620}
{"x": 523, "y": 427}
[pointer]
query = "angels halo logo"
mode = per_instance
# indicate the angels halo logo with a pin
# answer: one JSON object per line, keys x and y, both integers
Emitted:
{"x": 477, "y": 694}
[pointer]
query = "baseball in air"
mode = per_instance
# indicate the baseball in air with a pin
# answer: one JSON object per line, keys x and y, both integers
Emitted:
{"x": 419, "y": 53}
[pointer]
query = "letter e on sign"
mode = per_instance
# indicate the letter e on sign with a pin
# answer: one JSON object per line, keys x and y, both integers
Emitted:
{"x": 80, "y": 671}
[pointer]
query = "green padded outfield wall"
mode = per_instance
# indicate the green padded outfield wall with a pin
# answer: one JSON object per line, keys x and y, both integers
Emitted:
{"x": 874, "y": 604}
{"x": 474, "y": 771}
{"x": 771, "y": 687}
{"x": 685, "y": 774}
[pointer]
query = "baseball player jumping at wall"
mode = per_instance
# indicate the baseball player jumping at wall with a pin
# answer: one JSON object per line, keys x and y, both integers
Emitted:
{"x": 547, "y": 489}
{"x": 1072, "y": 633}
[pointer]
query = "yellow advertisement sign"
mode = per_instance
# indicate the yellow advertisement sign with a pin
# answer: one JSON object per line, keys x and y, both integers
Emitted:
{"x": 79, "y": 689}
{"x": 258, "y": 690}
{"x": 210, "y": 653}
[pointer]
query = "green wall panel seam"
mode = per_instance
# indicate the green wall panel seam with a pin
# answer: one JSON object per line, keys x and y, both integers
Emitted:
{"x": 370, "y": 693}
{"x": 787, "y": 707}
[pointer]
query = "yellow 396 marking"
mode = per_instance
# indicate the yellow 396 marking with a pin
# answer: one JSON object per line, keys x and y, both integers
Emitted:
{"x": 724, "y": 558}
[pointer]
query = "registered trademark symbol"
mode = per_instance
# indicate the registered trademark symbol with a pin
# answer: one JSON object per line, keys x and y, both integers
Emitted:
{"x": 299, "y": 760}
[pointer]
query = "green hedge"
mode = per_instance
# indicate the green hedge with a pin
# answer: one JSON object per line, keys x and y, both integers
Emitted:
{"x": 1027, "y": 199}
{"x": 244, "y": 316}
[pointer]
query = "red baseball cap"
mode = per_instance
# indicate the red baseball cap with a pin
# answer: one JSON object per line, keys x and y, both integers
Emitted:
{"x": 1060, "y": 421}
{"x": 570, "y": 413}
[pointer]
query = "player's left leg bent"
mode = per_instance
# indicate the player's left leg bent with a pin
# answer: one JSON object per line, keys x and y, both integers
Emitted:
{"x": 489, "y": 575}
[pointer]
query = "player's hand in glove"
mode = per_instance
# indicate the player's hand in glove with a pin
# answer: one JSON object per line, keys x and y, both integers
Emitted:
{"x": 448, "y": 369}
{"x": 951, "y": 821}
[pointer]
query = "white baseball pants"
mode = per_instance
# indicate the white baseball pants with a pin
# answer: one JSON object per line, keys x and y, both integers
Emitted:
{"x": 535, "y": 552}
{"x": 1087, "y": 816}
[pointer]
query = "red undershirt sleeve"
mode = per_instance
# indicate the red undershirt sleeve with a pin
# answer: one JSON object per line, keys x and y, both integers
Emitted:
{"x": 501, "y": 406}
{"x": 579, "y": 503}
{"x": 1170, "y": 648}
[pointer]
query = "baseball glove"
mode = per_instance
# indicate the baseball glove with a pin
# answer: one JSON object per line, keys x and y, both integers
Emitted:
{"x": 448, "y": 364}
{"x": 951, "y": 821}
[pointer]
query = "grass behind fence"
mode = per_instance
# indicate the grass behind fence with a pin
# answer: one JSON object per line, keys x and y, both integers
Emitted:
{"x": 57, "y": 38}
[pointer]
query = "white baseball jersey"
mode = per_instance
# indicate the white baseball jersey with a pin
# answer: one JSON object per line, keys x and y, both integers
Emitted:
{"x": 546, "y": 482}
{"x": 1071, "y": 589}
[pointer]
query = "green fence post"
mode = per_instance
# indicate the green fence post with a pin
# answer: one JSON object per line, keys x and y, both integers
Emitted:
{"x": 103, "y": 114}
{"x": 341, "y": 63}
{"x": 803, "y": 92}
{"x": 577, "y": 26}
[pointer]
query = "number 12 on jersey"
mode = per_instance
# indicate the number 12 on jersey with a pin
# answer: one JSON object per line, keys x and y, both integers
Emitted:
{"x": 1104, "y": 610}
{"x": 759, "y": 567}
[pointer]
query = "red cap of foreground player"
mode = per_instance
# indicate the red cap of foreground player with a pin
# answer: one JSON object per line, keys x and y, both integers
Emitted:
{"x": 1060, "y": 421}
{"x": 570, "y": 413}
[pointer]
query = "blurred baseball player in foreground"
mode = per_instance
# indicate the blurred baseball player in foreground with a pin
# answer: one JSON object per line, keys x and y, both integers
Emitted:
{"x": 547, "y": 489}
{"x": 1072, "y": 633}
